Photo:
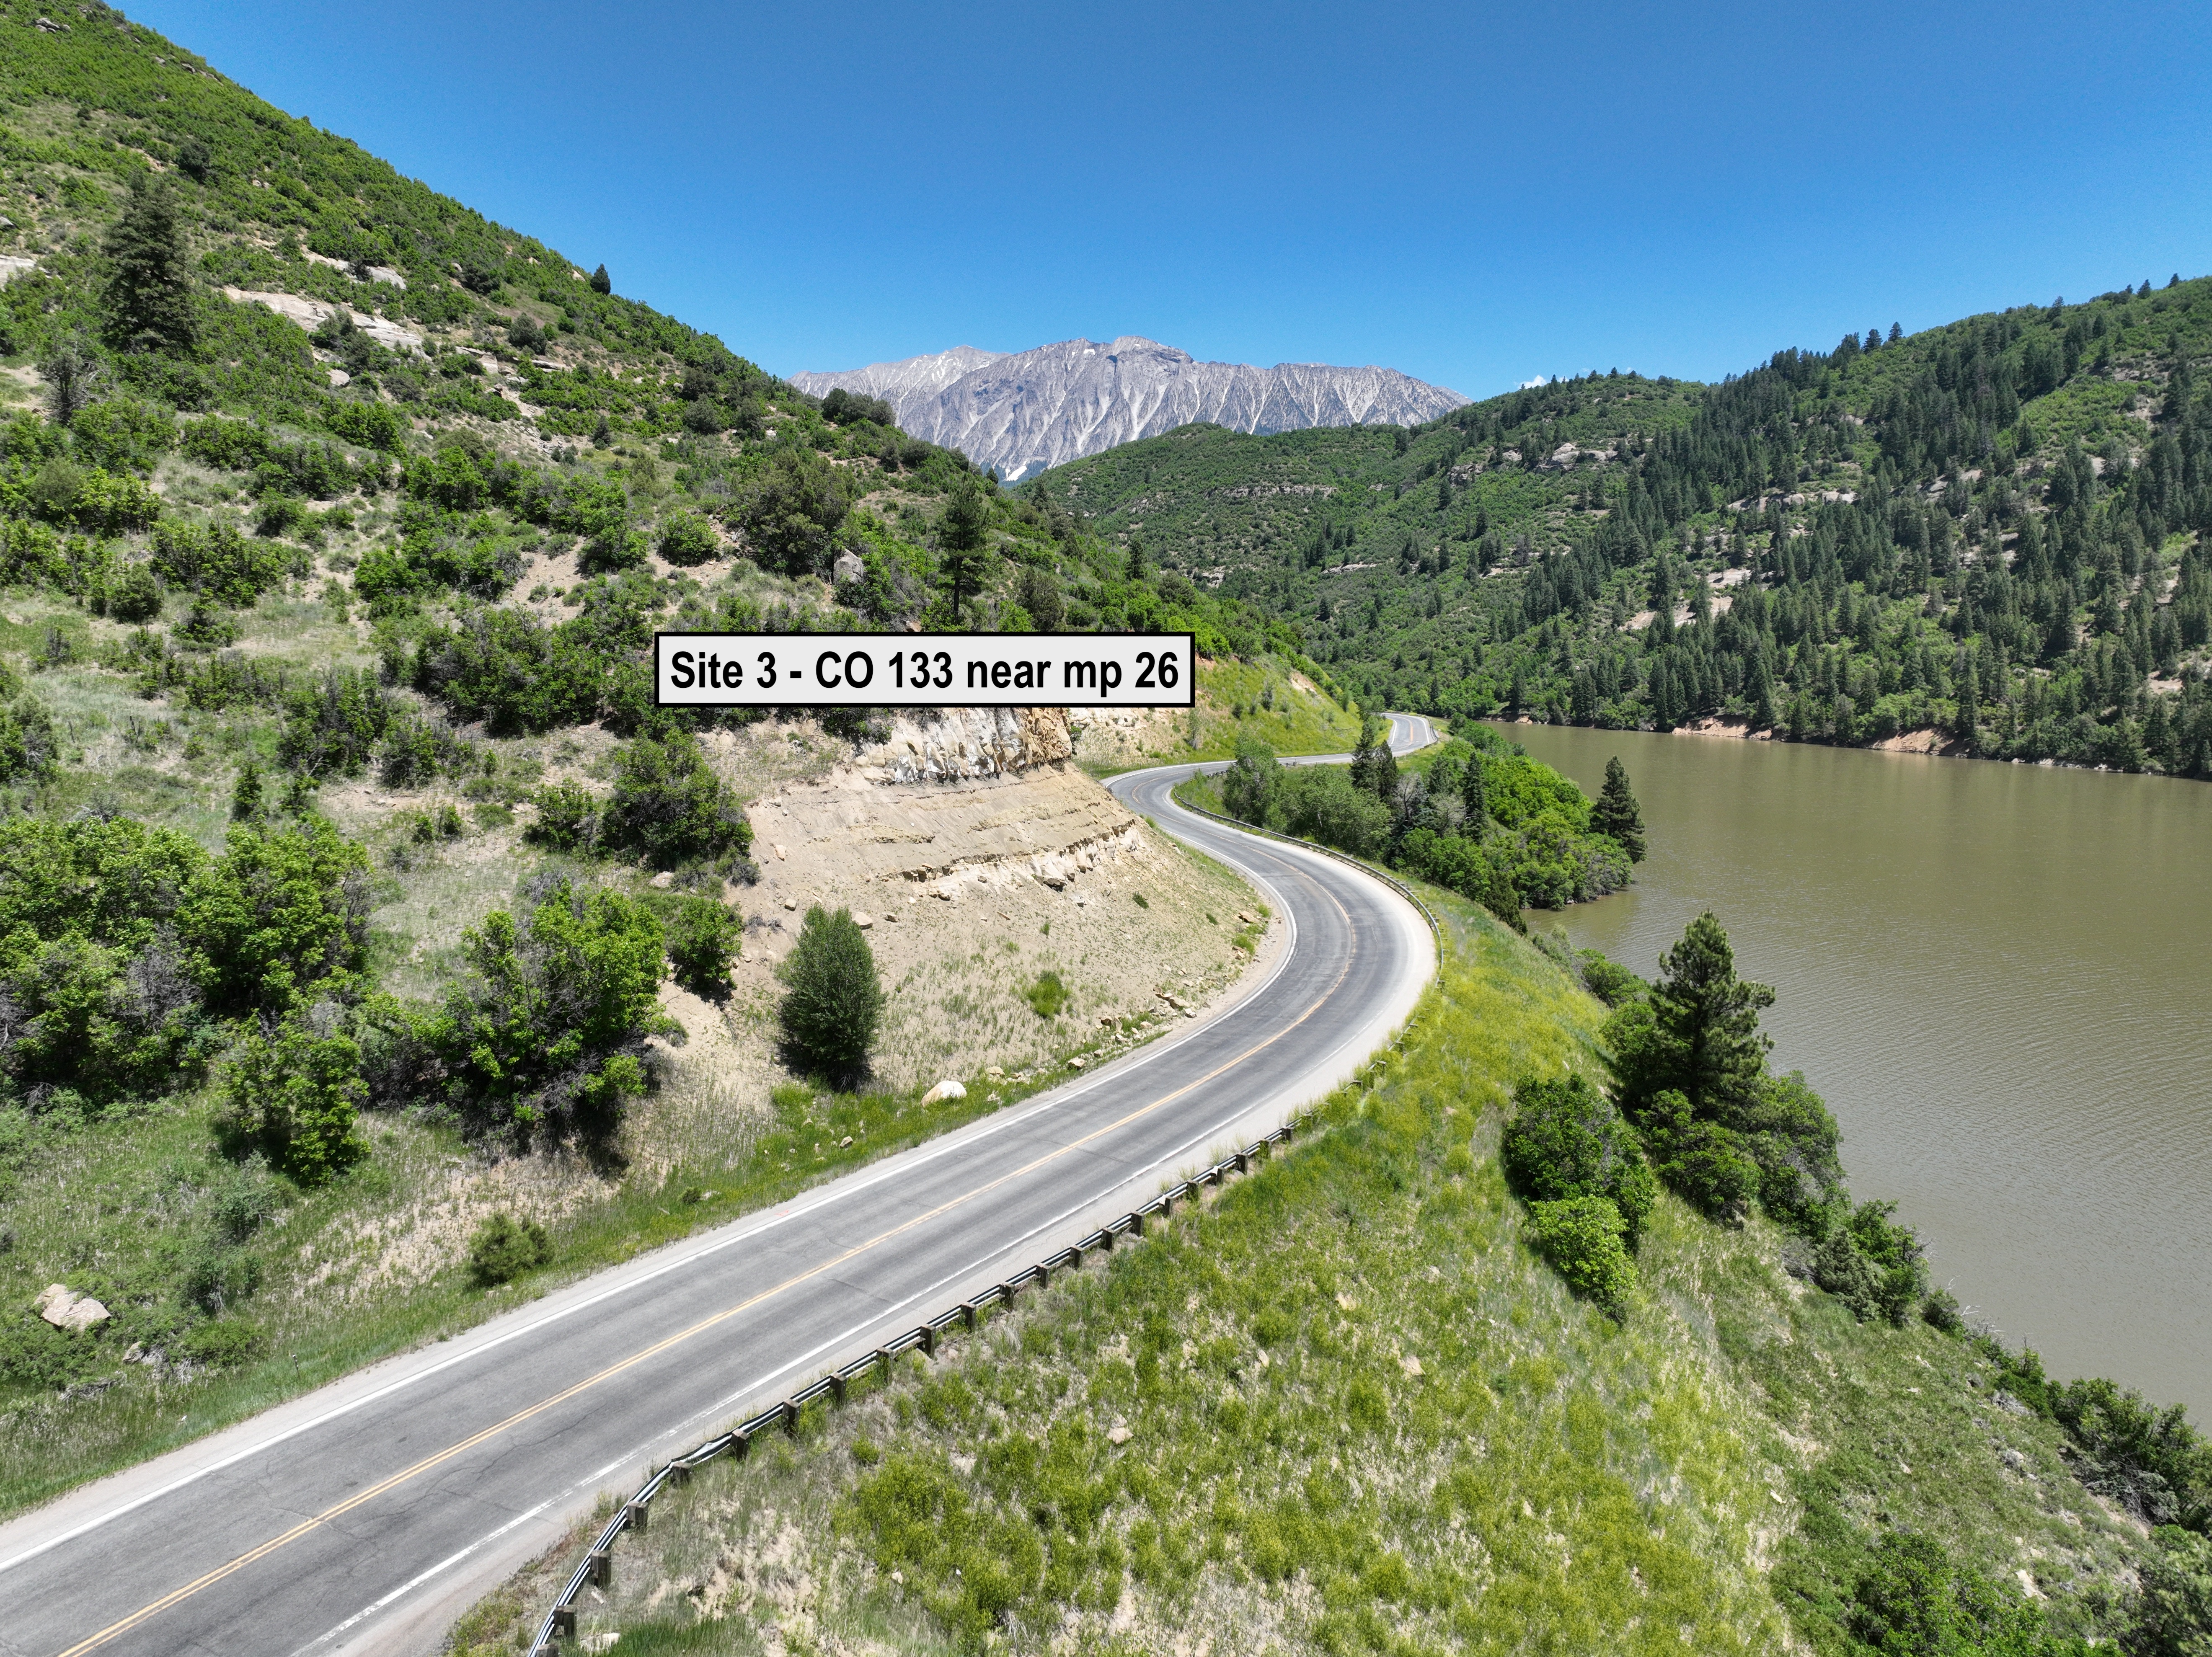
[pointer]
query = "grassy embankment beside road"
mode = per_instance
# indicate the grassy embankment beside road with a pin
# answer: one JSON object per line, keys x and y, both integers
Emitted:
{"x": 312, "y": 1283}
{"x": 1345, "y": 1407}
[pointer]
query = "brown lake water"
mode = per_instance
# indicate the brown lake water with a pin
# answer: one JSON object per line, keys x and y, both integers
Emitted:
{"x": 2000, "y": 978}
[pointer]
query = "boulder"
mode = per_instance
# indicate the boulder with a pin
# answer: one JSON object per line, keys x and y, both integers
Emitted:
{"x": 848, "y": 567}
{"x": 63, "y": 1309}
{"x": 948, "y": 1088}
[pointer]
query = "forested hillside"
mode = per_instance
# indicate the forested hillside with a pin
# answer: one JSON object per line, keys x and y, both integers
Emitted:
{"x": 1990, "y": 533}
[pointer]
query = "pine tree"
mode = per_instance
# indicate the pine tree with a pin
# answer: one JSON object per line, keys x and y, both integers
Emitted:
{"x": 1697, "y": 1036}
{"x": 71, "y": 371}
{"x": 1616, "y": 815}
{"x": 1763, "y": 712}
{"x": 1969, "y": 703}
{"x": 834, "y": 999}
{"x": 1475, "y": 793}
{"x": 960, "y": 538}
{"x": 601, "y": 281}
{"x": 1365, "y": 752}
{"x": 245, "y": 794}
{"x": 149, "y": 290}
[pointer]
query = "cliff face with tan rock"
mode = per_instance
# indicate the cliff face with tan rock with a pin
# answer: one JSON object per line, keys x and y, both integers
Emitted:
{"x": 979, "y": 855}
{"x": 978, "y": 796}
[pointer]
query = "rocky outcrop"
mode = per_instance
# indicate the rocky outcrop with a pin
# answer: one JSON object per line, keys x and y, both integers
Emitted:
{"x": 1040, "y": 408}
{"x": 937, "y": 745}
{"x": 64, "y": 1308}
{"x": 973, "y": 795}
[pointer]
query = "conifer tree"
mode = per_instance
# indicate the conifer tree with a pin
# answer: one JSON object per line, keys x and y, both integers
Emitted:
{"x": 834, "y": 999}
{"x": 245, "y": 794}
{"x": 149, "y": 290}
{"x": 1475, "y": 793}
{"x": 71, "y": 371}
{"x": 601, "y": 281}
{"x": 1698, "y": 1035}
{"x": 1969, "y": 703}
{"x": 1616, "y": 815}
{"x": 960, "y": 538}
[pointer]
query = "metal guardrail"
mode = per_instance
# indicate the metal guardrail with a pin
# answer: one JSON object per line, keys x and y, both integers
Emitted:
{"x": 596, "y": 1569}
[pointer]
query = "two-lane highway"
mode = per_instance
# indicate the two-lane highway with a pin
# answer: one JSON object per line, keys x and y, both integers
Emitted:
{"x": 364, "y": 1516}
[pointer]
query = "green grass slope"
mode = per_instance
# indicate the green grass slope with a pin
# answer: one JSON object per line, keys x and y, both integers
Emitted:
{"x": 1346, "y": 1408}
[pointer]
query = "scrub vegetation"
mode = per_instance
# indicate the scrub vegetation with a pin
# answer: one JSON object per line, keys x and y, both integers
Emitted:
{"x": 1475, "y": 815}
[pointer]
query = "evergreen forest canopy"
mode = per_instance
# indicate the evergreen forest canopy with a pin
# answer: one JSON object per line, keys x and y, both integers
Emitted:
{"x": 1993, "y": 532}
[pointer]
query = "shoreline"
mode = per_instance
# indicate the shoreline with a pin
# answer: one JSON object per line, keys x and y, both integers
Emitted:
{"x": 1927, "y": 741}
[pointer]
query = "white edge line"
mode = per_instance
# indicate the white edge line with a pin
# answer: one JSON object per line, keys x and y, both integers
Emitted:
{"x": 741, "y": 1230}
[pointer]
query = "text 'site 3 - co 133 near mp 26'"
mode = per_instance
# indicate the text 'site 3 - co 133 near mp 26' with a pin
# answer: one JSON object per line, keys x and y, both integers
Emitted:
{"x": 955, "y": 670}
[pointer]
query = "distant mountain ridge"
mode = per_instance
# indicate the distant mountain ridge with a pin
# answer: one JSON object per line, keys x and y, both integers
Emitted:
{"x": 1025, "y": 411}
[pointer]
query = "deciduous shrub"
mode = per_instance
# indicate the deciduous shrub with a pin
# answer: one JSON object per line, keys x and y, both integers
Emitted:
{"x": 1705, "y": 1163}
{"x": 1581, "y": 1236}
{"x": 2173, "y": 1616}
{"x": 687, "y": 539}
{"x": 668, "y": 807}
{"x": 217, "y": 562}
{"x": 703, "y": 937}
{"x": 1914, "y": 1600}
{"x": 567, "y": 817}
{"x": 1567, "y": 1139}
{"x": 792, "y": 516}
{"x": 504, "y": 1248}
{"x": 28, "y": 747}
{"x": 542, "y": 1033}
{"x": 832, "y": 999}
{"x": 844, "y": 407}
{"x": 294, "y": 1097}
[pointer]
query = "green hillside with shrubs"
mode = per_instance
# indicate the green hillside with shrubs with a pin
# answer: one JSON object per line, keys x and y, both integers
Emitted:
{"x": 351, "y": 864}
{"x": 1558, "y": 1330}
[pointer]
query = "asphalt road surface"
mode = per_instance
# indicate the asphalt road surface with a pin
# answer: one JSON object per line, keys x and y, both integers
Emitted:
{"x": 366, "y": 1516}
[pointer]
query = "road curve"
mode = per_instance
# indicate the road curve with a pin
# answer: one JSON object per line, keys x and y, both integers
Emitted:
{"x": 365, "y": 1515}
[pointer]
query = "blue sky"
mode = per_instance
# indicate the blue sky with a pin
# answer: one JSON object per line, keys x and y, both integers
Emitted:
{"x": 1473, "y": 194}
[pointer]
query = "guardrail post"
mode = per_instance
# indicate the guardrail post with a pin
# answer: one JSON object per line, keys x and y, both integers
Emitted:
{"x": 601, "y": 1565}
{"x": 928, "y": 1341}
{"x": 1243, "y": 1161}
{"x": 1137, "y": 1223}
{"x": 564, "y": 1620}
{"x": 790, "y": 1419}
{"x": 637, "y": 1516}
{"x": 968, "y": 1313}
{"x": 837, "y": 1387}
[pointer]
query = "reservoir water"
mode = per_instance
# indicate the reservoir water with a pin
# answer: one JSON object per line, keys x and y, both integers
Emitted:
{"x": 2000, "y": 978}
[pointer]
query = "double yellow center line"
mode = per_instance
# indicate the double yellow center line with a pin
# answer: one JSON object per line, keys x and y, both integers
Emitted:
{"x": 198, "y": 1584}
